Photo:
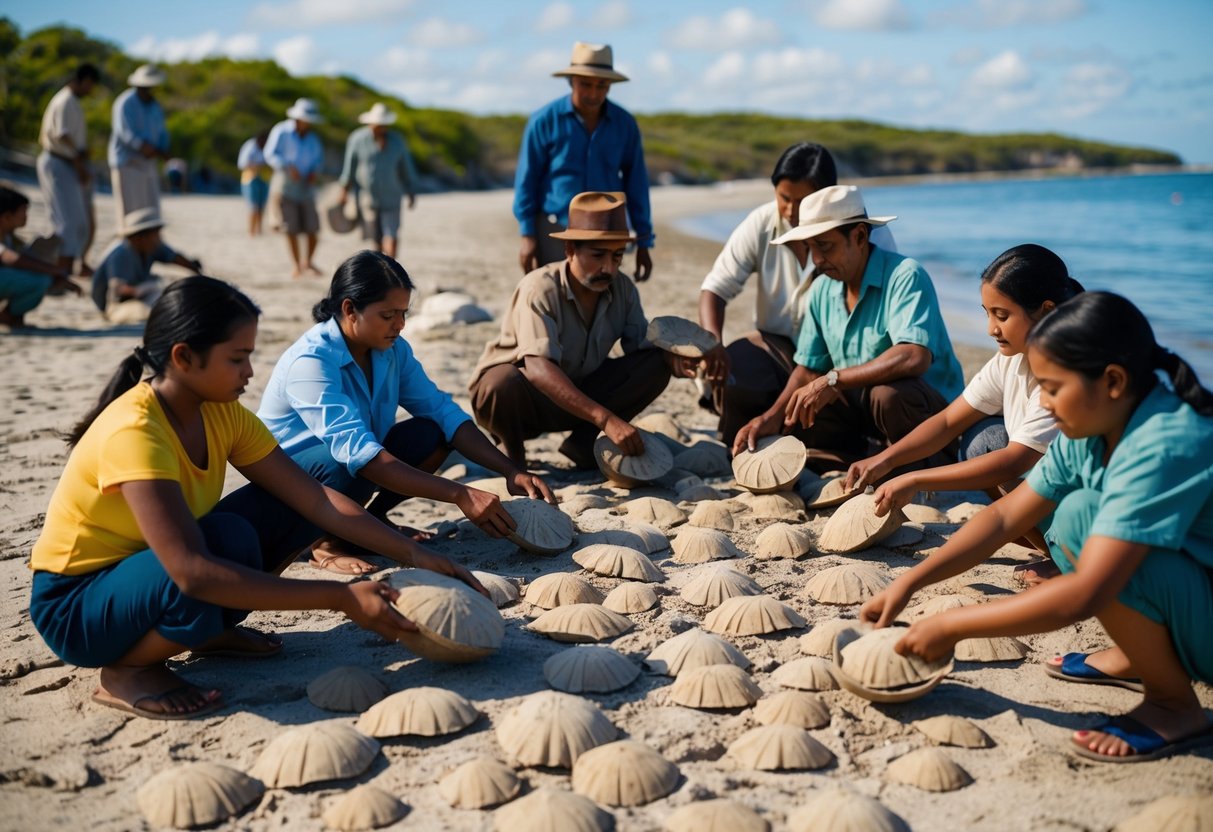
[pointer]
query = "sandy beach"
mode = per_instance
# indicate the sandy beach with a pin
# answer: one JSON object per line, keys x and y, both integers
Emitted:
{"x": 68, "y": 763}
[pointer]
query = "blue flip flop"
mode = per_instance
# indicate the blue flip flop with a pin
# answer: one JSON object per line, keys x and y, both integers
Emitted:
{"x": 1146, "y": 743}
{"x": 1074, "y": 668}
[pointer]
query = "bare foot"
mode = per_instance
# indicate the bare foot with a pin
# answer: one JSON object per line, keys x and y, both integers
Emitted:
{"x": 311, "y": 267}
{"x": 1111, "y": 661}
{"x": 154, "y": 689}
{"x": 296, "y": 272}
{"x": 327, "y": 554}
{"x": 1172, "y": 725}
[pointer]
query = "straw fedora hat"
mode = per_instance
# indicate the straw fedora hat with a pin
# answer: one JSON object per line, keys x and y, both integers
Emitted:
{"x": 378, "y": 115}
{"x": 829, "y": 208}
{"x": 594, "y": 60}
{"x": 305, "y": 109}
{"x": 597, "y": 215}
{"x": 148, "y": 75}
{"x": 141, "y": 219}
{"x": 339, "y": 220}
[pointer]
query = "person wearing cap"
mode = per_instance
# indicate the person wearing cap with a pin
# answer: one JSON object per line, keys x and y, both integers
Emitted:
{"x": 580, "y": 142}
{"x": 63, "y": 170}
{"x": 550, "y": 370}
{"x": 378, "y": 164}
{"x": 24, "y": 278}
{"x": 873, "y": 357}
{"x": 294, "y": 151}
{"x": 124, "y": 287}
{"x": 138, "y": 137}
{"x": 749, "y": 374}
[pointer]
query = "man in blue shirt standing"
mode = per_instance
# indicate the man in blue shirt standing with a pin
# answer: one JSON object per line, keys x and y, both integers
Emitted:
{"x": 580, "y": 142}
{"x": 873, "y": 357}
{"x": 138, "y": 137}
{"x": 294, "y": 151}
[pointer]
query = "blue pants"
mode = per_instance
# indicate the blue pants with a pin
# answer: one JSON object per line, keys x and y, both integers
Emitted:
{"x": 1170, "y": 587}
{"x": 23, "y": 290}
{"x": 987, "y": 436}
{"x": 95, "y": 619}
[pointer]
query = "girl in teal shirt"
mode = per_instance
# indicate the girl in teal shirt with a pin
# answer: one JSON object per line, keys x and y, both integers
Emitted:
{"x": 1131, "y": 482}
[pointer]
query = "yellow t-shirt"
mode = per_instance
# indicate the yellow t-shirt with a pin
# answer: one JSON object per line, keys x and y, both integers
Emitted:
{"x": 89, "y": 524}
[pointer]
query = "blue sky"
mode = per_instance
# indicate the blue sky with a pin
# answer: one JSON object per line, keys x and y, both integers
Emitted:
{"x": 1118, "y": 70}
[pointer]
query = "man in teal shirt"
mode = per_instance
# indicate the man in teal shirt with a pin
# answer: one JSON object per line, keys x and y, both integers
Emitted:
{"x": 873, "y": 358}
{"x": 378, "y": 163}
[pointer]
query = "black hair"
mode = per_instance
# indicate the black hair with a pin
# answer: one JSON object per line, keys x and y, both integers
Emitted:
{"x": 197, "y": 311}
{"x": 1030, "y": 275}
{"x": 806, "y": 162}
{"x": 87, "y": 72}
{"x": 364, "y": 278}
{"x": 1093, "y": 330}
{"x": 11, "y": 199}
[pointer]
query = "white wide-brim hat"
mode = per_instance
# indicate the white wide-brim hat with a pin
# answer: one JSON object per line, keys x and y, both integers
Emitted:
{"x": 829, "y": 208}
{"x": 594, "y": 60}
{"x": 141, "y": 219}
{"x": 148, "y": 75}
{"x": 305, "y": 109}
{"x": 378, "y": 116}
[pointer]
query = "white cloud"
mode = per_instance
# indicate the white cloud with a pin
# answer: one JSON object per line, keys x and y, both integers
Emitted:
{"x": 403, "y": 61}
{"x": 554, "y": 16}
{"x": 543, "y": 63}
{"x": 436, "y": 33}
{"x": 297, "y": 14}
{"x": 919, "y": 75}
{"x": 614, "y": 14}
{"x": 203, "y": 45}
{"x": 660, "y": 64}
{"x": 298, "y": 55}
{"x": 726, "y": 69}
{"x": 797, "y": 66}
{"x": 1087, "y": 89}
{"x": 1007, "y": 71}
{"x": 864, "y": 15}
{"x": 998, "y": 14}
{"x": 735, "y": 29}
{"x": 967, "y": 56}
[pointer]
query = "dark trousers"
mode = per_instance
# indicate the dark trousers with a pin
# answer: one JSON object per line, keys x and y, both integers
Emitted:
{"x": 761, "y": 364}
{"x": 508, "y": 406}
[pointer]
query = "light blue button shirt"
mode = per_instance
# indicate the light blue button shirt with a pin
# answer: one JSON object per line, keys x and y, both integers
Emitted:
{"x": 317, "y": 395}
{"x": 135, "y": 123}
{"x": 286, "y": 148}
{"x": 1156, "y": 489}
{"x": 897, "y": 305}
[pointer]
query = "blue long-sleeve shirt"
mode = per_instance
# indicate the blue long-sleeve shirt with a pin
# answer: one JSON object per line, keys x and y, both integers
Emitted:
{"x": 134, "y": 124}
{"x": 559, "y": 159}
{"x": 285, "y": 148}
{"x": 318, "y": 394}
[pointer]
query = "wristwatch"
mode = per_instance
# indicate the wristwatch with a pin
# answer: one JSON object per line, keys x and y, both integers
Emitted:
{"x": 832, "y": 378}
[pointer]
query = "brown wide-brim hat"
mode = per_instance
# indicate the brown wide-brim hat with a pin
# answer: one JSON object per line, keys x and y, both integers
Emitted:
{"x": 593, "y": 60}
{"x": 597, "y": 215}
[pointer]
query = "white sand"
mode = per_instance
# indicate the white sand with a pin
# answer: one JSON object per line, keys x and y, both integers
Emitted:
{"x": 67, "y": 763}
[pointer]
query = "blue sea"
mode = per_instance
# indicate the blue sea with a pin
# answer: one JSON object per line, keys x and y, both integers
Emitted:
{"x": 1149, "y": 238}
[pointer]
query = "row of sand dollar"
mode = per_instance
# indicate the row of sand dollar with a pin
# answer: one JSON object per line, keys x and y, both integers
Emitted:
{"x": 673, "y": 521}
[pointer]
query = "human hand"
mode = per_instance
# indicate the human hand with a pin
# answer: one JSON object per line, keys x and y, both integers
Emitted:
{"x": 717, "y": 364}
{"x": 526, "y": 484}
{"x": 624, "y": 435}
{"x": 311, "y": 178}
{"x": 644, "y": 265}
{"x": 293, "y": 173}
{"x": 528, "y": 254}
{"x": 883, "y": 608}
{"x": 485, "y": 511}
{"x": 682, "y": 366}
{"x": 369, "y": 605}
{"x": 344, "y": 196}
{"x": 808, "y": 401}
{"x": 865, "y": 472}
{"x": 931, "y": 638}
{"x": 148, "y": 151}
{"x": 412, "y": 201}
{"x": 895, "y": 494}
{"x": 425, "y": 559}
{"x": 753, "y": 430}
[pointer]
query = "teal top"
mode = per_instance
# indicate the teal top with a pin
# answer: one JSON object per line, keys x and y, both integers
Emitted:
{"x": 897, "y": 305}
{"x": 1156, "y": 489}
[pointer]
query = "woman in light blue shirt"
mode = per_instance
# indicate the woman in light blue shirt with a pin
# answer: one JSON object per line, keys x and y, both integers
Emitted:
{"x": 1131, "y": 483}
{"x": 331, "y": 403}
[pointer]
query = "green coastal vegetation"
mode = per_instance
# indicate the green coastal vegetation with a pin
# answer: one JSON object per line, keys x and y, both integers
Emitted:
{"x": 213, "y": 105}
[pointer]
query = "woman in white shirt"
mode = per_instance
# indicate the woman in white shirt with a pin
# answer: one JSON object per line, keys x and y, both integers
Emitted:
{"x": 1002, "y": 427}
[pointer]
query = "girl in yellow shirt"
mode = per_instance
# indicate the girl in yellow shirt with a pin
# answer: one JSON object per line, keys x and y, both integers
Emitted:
{"x": 140, "y": 560}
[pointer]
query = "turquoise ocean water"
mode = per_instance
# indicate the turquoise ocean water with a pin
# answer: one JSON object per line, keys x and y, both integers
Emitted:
{"x": 1149, "y": 238}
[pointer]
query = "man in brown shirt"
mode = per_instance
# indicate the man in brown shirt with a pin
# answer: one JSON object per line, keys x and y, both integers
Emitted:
{"x": 550, "y": 368}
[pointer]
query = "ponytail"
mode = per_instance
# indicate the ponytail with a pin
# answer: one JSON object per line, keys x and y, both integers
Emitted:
{"x": 364, "y": 279}
{"x": 197, "y": 311}
{"x": 1031, "y": 275}
{"x": 1096, "y": 329}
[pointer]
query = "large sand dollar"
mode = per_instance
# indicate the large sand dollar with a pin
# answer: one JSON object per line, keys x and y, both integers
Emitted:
{"x": 694, "y": 544}
{"x": 541, "y": 527}
{"x": 624, "y": 773}
{"x": 680, "y": 336}
{"x": 752, "y": 615}
{"x": 838, "y": 809}
{"x": 780, "y": 505}
{"x": 867, "y": 665}
{"x": 780, "y": 748}
{"x": 715, "y": 686}
{"x": 454, "y": 624}
{"x": 773, "y": 465}
{"x": 953, "y": 730}
{"x": 560, "y": 589}
{"x": 661, "y": 513}
{"x": 589, "y": 669}
{"x": 850, "y": 583}
{"x": 713, "y": 514}
{"x": 618, "y": 562}
{"x": 553, "y": 729}
{"x": 196, "y": 794}
{"x": 629, "y": 598}
{"x": 792, "y": 707}
{"x": 580, "y": 623}
{"x": 347, "y": 689}
{"x": 781, "y": 540}
{"x": 819, "y": 641}
{"x": 552, "y": 810}
{"x": 692, "y": 649}
{"x": 928, "y": 769}
{"x": 480, "y": 784}
{"x": 631, "y": 470}
{"x": 718, "y": 815}
{"x": 419, "y": 712}
{"x": 810, "y": 673}
{"x": 502, "y": 591}
{"x": 643, "y": 537}
{"x": 713, "y": 585}
{"x": 364, "y": 807}
{"x": 313, "y": 754}
{"x": 855, "y": 526}
{"x": 992, "y": 649}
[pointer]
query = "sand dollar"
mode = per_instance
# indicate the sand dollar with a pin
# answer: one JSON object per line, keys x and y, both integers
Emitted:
{"x": 552, "y": 810}
{"x": 992, "y": 649}
{"x": 713, "y": 585}
{"x": 541, "y": 527}
{"x": 692, "y": 649}
{"x": 916, "y": 513}
{"x": 560, "y": 589}
{"x": 752, "y": 615}
{"x": 810, "y": 673}
{"x": 631, "y": 470}
{"x": 953, "y": 730}
{"x": 867, "y": 665}
{"x": 930, "y": 770}
{"x": 1175, "y": 813}
{"x": 480, "y": 784}
{"x": 780, "y": 505}
{"x": 502, "y": 591}
{"x": 712, "y": 514}
{"x": 314, "y": 753}
{"x": 418, "y": 712}
{"x": 781, "y": 540}
{"x": 716, "y": 816}
{"x": 589, "y": 669}
{"x": 780, "y": 748}
{"x": 346, "y": 689}
{"x": 850, "y": 583}
{"x": 196, "y": 794}
{"x": 826, "y": 493}
{"x": 819, "y": 641}
{"x": 624, "y": 773}
{"x": 364, "y": 807}
{"x": 454, "y": 624}
{"x": 629, "y": 598}
{"x": 792, "y": 707}
{"x": 715, "y": 686}
{"x": 661, "y": 513}
{"x": 773, "y": 465}
{"x": 693, "y": 544}
{"x": 618, "y": 562}
{"x": 553, "y": 729}
{"x": 579, "y": 623}
{"x": 855, "y": 526}
{"x": 839, "y": 809}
